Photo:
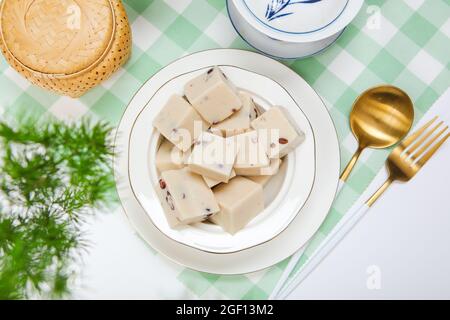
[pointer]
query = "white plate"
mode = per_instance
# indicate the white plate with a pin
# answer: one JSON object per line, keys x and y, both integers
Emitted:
{"x": 302, "y": 227}
{"x": 285, "y": 196}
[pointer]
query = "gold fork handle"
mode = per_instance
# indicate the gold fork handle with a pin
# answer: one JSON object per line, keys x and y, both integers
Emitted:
{"x": 351, "y": 164}
{"x": 380, "y": 191}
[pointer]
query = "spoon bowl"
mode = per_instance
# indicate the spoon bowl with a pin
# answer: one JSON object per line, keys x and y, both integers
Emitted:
{"x": 380, "y": 118}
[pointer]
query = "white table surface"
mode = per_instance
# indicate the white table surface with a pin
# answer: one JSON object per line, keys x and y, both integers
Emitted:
{"x": 404, "y": 238}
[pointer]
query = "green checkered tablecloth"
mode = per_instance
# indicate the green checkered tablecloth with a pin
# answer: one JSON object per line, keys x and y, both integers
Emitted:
{"x": 401, "y": 42}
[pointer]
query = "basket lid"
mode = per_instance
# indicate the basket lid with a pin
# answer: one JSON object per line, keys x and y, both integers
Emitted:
{"x": 57, "y": 36}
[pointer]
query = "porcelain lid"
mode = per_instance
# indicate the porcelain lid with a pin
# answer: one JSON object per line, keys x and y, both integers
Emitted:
{"x": 299, "y": 20}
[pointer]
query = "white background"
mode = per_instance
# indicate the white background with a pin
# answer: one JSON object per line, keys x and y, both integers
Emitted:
{"x": 406, "y": 235}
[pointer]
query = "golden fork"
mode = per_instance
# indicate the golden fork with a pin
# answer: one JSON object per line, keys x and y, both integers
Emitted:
{"x": 404, "y": 162}
{"x": 411, "y": 155}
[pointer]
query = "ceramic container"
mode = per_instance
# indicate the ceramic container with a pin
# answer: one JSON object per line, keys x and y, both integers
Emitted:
{"x": 291, "y": 29}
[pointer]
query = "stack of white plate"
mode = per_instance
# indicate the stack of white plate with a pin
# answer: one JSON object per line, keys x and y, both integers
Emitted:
{"x": 291, "y": 29}
{"x": 297, "y": 199}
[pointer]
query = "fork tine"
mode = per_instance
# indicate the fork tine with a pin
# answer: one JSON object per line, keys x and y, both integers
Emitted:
{"x": 423, "y": 138}
{"x": 408, "y": 141}
{"x": 428, "y": 144}
{"x": 427, "y": 156}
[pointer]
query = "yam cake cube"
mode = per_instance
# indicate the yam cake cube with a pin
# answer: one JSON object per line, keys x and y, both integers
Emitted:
{"x": 215, "y": 131}
{"x": 263, "y": 180}
{"x": 167, "y": 205}
{"x": 213, "y": 157}
{"x": 169, "y": 157}
{"x": 187, "y": 196}
{"x": 252, "y": 152}
{"x": 270, "y": 170}
{"x": 240, "y": 201}
{"x": 281, "y": 136}
{"x": 240, "y": 121}
{"x": 179, "y": 123}
{"x": 212, "y": 183}
{"x": 213, "y": 96}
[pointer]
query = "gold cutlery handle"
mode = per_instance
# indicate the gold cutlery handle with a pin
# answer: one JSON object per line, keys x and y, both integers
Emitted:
{"x": 379, "y": 192}
{"x": 351, "y": 164}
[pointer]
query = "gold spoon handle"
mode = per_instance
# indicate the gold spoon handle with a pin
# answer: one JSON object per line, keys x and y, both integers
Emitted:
{"x": 379, "y": 192}
{"x": 351, "y": 164}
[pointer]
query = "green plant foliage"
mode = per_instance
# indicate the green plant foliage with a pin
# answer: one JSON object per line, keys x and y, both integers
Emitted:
{"x": 52, "y": 176}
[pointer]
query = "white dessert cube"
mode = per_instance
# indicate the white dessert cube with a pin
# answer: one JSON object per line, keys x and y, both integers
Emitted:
{"x": 240, "y": 201}
{"x": 213, "y": 96}
{"x": 252, "y": 151}
{"x": 187, "y": 197}
{"x": 215, "y": 131}
{"x": 179, "y": 123}
{"x": 281, "y": 136}
{"x": 167, "y": 205}
{"x": 261, "y": 180}
{"x": 212, "y": 182}
{"x": 270, "y": 170}
{"x": 169, "y": 157}
{"x": 213, "y": 157}
{"x": 240, "y": 121}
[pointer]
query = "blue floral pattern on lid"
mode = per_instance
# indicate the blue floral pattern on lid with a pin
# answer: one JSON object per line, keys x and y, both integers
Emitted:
{"x": 295, "y": 16}
{"x": 276, "y": 8}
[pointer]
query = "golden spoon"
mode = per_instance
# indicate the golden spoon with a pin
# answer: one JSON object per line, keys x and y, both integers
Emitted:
{"x": 381, "y": 117}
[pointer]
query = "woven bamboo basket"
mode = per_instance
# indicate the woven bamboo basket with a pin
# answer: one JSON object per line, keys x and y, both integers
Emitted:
{"x": 66, "y": 46}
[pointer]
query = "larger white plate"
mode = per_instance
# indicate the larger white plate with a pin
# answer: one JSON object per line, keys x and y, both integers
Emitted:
{"x": 285, "y": 195}
{"x": 302, "y": 227}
